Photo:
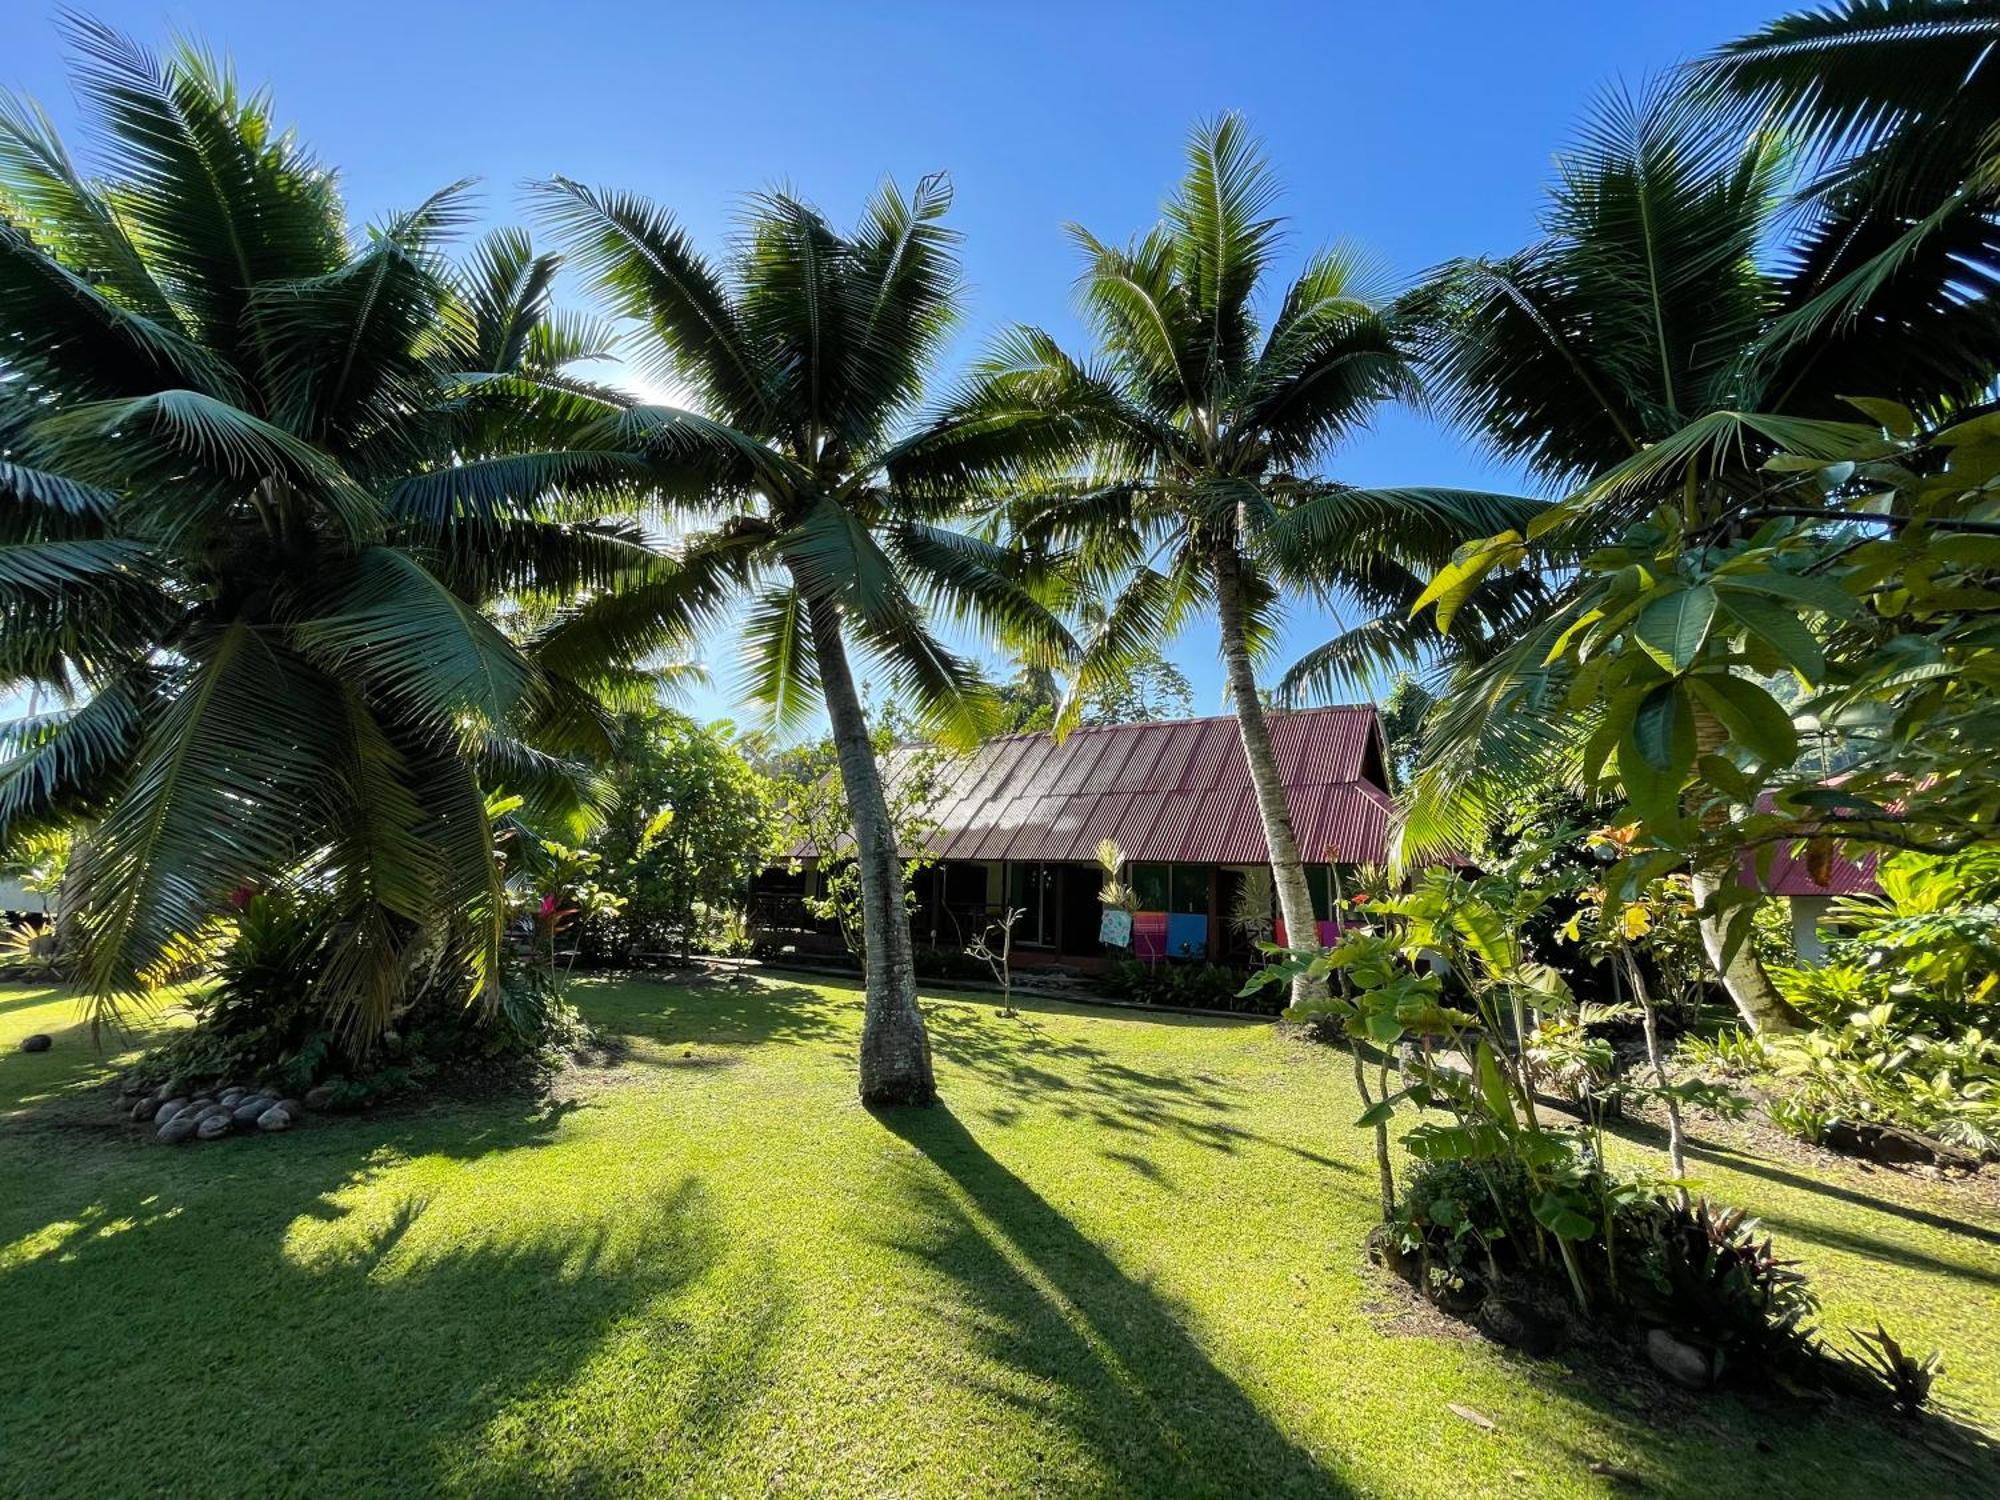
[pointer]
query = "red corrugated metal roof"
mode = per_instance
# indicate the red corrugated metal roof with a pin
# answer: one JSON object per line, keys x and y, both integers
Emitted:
{"x": 1784, "y": 871}
{"x": 1165, "y": 792}
{"x": 1789, "y": 876}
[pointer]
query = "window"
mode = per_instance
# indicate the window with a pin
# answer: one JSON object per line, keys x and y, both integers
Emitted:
{"x": 1316, "y": 882}
{"x": 1327, "y": 882}
{"x": 1150, "y": 885}
{"x": 1190, "y": 890}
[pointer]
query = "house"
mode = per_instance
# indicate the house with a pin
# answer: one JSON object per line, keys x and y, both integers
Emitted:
{"x": 1019, "y": 821}
{"x": 1809, "y": 887}
{"x": 1784, "y": 873}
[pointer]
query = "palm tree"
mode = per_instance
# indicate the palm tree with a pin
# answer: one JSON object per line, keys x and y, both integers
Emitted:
{"x": 1658, "y": 343}
{"x": 261, "y": 482}
{"x": 1174, "y": 474}
{"x": 806, "y": 353}
{"x": 1900, "y": 98}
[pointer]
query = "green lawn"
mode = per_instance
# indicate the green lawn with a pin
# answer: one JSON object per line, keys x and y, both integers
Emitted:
{"x": 1122, "y": 1260}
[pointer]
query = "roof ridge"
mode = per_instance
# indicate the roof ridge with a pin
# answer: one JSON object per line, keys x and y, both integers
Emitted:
{"x": 1273, "y": 713}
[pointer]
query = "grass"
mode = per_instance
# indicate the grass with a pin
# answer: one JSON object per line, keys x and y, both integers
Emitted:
{"x": 1122, "y": 1260}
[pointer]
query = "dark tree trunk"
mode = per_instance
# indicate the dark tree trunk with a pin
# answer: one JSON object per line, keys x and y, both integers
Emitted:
{"x": 895, "y": 1047}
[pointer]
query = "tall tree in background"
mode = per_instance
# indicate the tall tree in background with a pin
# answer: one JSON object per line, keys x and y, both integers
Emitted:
{"x": 806, "y": 353}
{"x": 261, "y": 479}
{"x": 1658, "y": 344}
{"x": 1175, "y": 473}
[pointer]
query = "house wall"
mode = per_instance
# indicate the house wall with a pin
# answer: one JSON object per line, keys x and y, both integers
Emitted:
{"x": 1806, "y": 914}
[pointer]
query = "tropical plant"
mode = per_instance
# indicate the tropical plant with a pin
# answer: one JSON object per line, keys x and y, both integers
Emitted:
{"x": 806, "y": 354}
{"x": 1906, "y": 1379}
{"x": 694, "y": 819}
{"x": 814, "y": 820}
{"x": 1174, "y": 473}
{"x": 1654, "y": 350}
{"x": 1897, "y": 98}
{"x": 263, "y": 480}
{"x": 993, "y": 946}
{"x": 1707, "y": 1277}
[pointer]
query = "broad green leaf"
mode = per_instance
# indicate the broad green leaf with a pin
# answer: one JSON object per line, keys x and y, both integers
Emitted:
{"x": 1755, "y": 720}
{"x": 1559, "y": 1216}
{"x": 1673, "y": 629}
{"x": 1779, "y": 629}
{"x": 1663, "y": 729}
{"x": 1980, "y": 429}
{"x": 1493, "y": 1088}
{"x": 1378, "y": 1113}
{"x": 1819, "y": 593}
{"x": 1897, "y": 418}
{"x": 1460, "y": 577}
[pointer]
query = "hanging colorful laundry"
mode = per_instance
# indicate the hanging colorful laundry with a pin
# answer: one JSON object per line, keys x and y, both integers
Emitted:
{"x": 1149, "y": 934}
{"x": 1187, "y": 935}
{"x": 1115, "y": 930}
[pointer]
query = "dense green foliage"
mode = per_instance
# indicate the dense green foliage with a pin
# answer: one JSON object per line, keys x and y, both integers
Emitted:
{"x": 1902, "y": 1009}
{"x": 693, "y": 819}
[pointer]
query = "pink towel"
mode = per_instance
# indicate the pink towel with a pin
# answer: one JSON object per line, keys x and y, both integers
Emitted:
{"x": 1149, "y": 934}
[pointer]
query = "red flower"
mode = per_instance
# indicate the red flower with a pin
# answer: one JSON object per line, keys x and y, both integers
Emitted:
{"x": 1360, "y": 898}
{"x": 549, "y": 905}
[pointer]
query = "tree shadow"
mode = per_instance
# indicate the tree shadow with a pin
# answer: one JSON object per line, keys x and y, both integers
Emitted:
{"x": 1738, "y": 1161}
{"x": 1874, "y": 1247}
{"x": 300, "y": 1323}
{"x": 1080, "y": 1082}
{"x": 716, "y": 1012}
{"x": 40, "y": 995}
{"x": 1102, "y": 1357}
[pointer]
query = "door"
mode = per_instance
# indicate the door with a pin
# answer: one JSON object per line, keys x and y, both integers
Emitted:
{"x": 1082, "y": 913}
{"x": 1031, "y": 889}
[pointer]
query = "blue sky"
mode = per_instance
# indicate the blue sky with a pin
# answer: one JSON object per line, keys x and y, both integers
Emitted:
{"x": 1419, "y": 130}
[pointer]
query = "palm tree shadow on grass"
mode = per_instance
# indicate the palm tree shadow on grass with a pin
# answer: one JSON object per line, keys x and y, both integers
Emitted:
{"x": 1083, "y": 1083}
{"x": 185, "y": 1322}
{"x": 1122, "y": 1373}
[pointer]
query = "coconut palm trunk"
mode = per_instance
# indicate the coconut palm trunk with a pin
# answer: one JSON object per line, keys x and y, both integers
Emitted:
{"x": 1288, "y": 872}
{"x": 895, "y": 1048}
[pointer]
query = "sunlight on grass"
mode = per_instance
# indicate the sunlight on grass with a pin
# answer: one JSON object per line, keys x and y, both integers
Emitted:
{"x": 1124, "y": 1257}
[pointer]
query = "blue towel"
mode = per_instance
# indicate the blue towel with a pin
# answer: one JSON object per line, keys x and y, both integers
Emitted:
{"x": 1187, "y": 936}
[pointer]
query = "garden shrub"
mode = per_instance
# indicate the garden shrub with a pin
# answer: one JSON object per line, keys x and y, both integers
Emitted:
{"x": 1197, "y": 986}
{"x": 1901, "y": 1009}
{"x": 260, "y": 1016}
{"x": 1702, "y": 1273}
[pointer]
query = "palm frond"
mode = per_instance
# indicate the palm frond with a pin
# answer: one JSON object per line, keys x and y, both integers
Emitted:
{"x": 222, "y": 198}
{"x": 780, "y": 672}
{"x": 795, "y": 304}
{"x": 1225, "y": 238}
{"x": 161, "y": 437}
{"x": 49, "y": 198}
{"x": 209, "y": 803}
{"x": 645, "y": 264}
{"x": 386, "y": 621}
{"x": 70, "y": 763}
{"x": 902, "y": 287}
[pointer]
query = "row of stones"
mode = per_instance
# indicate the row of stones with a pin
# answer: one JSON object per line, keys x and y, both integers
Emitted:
{"x": 177, "y": 1117}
